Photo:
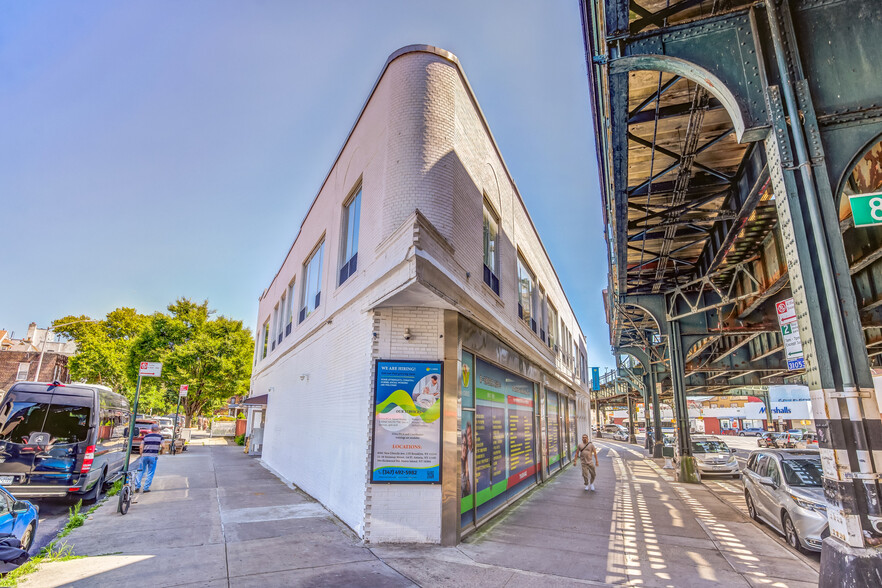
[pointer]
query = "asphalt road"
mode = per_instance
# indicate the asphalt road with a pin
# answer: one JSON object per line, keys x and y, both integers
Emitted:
{"x": 732, "y": 491}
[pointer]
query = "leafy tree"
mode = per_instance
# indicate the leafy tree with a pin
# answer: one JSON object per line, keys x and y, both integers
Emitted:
{"x": 211, "y": 355}
{"x": 103, "y": 347}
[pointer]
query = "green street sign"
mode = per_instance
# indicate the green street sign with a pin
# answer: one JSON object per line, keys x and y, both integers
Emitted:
{"x": 866, "y": 209}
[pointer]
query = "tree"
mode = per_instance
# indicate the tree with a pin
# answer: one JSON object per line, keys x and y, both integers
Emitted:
{"x": 103, "y": 347}
{"x": 211, "y": 355}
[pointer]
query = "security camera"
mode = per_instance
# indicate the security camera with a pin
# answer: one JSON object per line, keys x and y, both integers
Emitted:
{"x": 407, "y": 334}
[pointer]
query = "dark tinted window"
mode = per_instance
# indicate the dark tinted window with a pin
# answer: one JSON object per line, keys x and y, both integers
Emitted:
{"x": 64, "y": 424}
{"x": 761, "y": 464}
{"x": 802, "y": 472}
{"x": 774, "y": 472}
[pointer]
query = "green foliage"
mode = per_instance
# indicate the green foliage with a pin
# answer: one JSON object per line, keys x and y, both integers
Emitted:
{"x": 76, "y": 519}
{"x": 240, "y": 439}
{"x": 114, "y": 490}
{"x": 240, "y": 416}
{"x": 50, "y": 553}
{"x": 103, "y": 347}
{"x": 211, "y": 355}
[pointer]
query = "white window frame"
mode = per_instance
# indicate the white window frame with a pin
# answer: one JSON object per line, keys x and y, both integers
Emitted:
{"x": 311, "y": 288}
{"x": 18, "y": 375}
{"x": 526, "y": 313}
{"x": 349, "y": 238}
{"x": 265, "y": 334}
{"x": 289, "y": 307}
{"x": 491, "y": 270}
{"x": 552, "y": 326}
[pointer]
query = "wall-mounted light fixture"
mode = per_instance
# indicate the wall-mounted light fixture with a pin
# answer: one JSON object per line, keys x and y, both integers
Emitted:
{"x": 407, "y": 334}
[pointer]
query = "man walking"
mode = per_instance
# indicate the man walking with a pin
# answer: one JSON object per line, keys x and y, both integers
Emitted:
{"x": 588, "y": 455}
{"x": 150, "y": 447}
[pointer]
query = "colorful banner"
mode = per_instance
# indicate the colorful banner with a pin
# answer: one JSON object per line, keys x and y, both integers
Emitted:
{"x": 407, "y": 422}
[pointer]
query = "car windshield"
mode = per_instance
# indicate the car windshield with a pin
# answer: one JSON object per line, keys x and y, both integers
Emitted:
{"x": 803, "y": 472}
{"x": 64, "y": 424}
{"x": 709, "y": 447}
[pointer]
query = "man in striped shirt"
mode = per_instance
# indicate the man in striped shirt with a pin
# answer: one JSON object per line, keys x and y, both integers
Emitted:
{"x": 150, "y": 447}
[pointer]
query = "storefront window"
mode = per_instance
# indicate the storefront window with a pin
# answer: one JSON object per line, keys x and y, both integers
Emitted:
{"x": 468, "y": 388}
{"x": 503, "y": 436}
{"x": 467, "y": 505}
{"x": 553, "y": 426}
{"x": 572, "y": 429}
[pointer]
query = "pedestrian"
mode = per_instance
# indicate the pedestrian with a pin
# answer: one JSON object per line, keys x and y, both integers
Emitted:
{"x": 151, "y": 445}
{"x": 588, "y": 455}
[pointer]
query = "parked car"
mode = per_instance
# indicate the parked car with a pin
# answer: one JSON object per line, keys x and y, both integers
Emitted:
{"x": 143, "y": 426}
{"x": 59, "y": 439}
{"x": 617, "y": 432}
{"x": 784, "y": 489}
{"x": 714, "y": 457}
{"x": 19, "y": 518}
{"x": 767, "y": 439}
{"x": 751, "y": 432}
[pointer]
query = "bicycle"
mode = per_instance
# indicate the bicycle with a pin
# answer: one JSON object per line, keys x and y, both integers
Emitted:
{"x": 127, "y": 492}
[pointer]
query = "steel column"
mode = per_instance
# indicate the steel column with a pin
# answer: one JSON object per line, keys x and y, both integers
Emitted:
{"x": 688, "y": 471}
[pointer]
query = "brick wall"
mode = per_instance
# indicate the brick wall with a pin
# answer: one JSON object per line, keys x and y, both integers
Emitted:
{"x": 54, "y": 367}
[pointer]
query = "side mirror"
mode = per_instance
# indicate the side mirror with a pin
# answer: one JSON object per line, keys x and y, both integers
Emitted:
{"x": 20, "y": 506}
{"x": 731, "y": 450}
{"x": 766, "y": 481}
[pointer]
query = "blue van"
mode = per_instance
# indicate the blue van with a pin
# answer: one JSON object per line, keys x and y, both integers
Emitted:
{"x": 62, "y": 439}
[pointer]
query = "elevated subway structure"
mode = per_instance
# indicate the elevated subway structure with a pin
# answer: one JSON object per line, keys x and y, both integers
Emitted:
{"x": 729, "y": 135}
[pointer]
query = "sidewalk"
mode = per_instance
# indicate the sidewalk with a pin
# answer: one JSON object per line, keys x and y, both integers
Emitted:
{"x": 217, "y": 518}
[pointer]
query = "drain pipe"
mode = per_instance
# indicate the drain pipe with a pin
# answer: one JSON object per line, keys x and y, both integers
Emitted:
{"x": 812, "y": 200}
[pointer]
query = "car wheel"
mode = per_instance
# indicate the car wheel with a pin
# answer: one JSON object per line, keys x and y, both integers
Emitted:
{"x": 790, "y": 533}
{"x": 27, "y": 538}
{"x": 97, "y": 490}
{"x": 741, "y": 434}
{"x": 751, "y": 508}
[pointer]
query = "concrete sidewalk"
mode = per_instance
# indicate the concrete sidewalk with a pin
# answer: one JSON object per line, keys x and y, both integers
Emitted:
{"x": 218, "y": 518}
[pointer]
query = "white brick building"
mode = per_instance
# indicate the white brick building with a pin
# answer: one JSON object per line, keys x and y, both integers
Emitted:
{"x": 418, "y": 248}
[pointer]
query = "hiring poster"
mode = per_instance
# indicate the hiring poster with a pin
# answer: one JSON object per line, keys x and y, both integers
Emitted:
{"x": 407, "y": 422}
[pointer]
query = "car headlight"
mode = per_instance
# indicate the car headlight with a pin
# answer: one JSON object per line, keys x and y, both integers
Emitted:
{"x": 809, "y": 505}
{"x": 732, "y": 459}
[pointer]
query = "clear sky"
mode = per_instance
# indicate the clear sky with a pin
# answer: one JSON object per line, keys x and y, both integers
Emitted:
{"x": 141, "y": 141}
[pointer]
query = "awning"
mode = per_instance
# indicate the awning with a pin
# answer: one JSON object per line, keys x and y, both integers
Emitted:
{"x": 256, "y": 400}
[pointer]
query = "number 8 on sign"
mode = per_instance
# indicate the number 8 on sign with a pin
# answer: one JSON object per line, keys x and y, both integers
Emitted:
{"x": 876, "y": 208}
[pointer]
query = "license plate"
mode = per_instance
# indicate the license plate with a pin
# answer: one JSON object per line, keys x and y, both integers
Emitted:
{"x": 6, "y": 480}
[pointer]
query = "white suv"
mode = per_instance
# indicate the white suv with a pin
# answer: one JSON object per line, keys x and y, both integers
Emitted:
{"x": 714, "y": 457}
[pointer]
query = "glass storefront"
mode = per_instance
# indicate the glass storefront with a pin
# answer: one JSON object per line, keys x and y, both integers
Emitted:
{"x": 499, "y": 439}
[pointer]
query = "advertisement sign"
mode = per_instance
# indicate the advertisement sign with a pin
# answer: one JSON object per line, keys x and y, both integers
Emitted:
{"x": 786, "y": 311}
{"x": 150, "y": 369}
{"x": 407, "y": 422}
{"x": 595, "y": 378}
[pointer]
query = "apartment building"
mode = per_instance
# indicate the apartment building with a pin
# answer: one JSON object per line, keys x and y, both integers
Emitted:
{"x": 421, "y": 363}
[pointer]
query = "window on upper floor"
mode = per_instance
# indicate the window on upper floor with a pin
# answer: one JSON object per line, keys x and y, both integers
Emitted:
{"x": 275, "y": 327}
{"x": 311, "y": 292}
{"x": 491, "y": 249}
{"x": 22, "y": 373}
{"x": 552, "y": 327}
{"x": 349, "y": 240}
{"x": 266, "y": 331}
{"x": 526, "y": 285}
{"x": 289, "y": 309}
{"x": 542, "y": 314}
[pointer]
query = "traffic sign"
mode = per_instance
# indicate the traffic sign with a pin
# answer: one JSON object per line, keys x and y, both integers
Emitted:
{"x": 786, "y": 311}
{"x": 150, "y": 369}
{"x": 866, "y": 209}
{"x": 184, "y": 388}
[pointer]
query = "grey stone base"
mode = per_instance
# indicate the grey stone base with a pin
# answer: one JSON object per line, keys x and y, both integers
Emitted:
{"x": 842, "y": 565}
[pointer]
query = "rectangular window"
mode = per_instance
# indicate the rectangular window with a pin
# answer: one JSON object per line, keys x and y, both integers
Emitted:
{"x": 265, "y": 338}
{"x": 491, "y": 250}
{"x": 542, "y": 312}
{"x": 349, "y": 245}
{"x": 552, "y": 326}
{"x": 525, "y": 293}
{"x": 276, "y": 323}
{"x": 283, "y": 315}
{"x": 22, "y": 372}
{"x": 311, "y": 294}
{"x": 289, "y": 309}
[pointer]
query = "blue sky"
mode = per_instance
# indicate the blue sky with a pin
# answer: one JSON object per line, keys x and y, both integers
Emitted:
{"x": 140, "y": 141}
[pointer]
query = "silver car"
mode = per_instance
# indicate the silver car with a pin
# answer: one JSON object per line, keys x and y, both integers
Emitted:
{"x": 784, "y": 488}
{"x": 714, "y": 457}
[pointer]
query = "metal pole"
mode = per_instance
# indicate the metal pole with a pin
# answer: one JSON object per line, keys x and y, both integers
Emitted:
{"x": 132, "y": 428}
{"x": 658, "y": 435}
{"x": 42, "y": 352}
{"x": 175, "y": 428}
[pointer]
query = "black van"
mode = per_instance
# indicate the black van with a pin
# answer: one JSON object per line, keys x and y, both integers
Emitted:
{"x": 59, "y": 439}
